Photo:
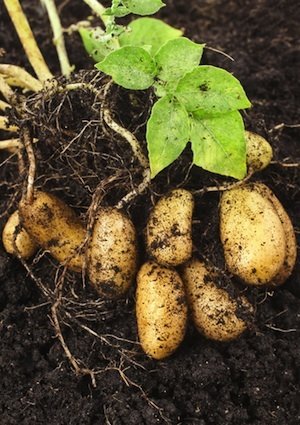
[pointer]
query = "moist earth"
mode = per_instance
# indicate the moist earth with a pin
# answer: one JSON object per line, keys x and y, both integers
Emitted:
{"x": 254, "y": 380}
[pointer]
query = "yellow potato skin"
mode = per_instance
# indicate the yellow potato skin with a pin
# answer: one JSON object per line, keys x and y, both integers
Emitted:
{"x": 16, "y": 240}
{"x": 258, "y": 150}
{"x": 112, "y": 253}
{"x": 161, "y": 310}
{"x": 169, "y": 228}
{"x": 252, "y": 235}
{"x": 213, "y": 311}
{"x": 290, "y": 237}
{"x": 55, "y": 227}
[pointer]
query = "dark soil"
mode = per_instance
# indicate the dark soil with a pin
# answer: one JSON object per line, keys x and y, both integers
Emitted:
{"x": 255, "y": 380}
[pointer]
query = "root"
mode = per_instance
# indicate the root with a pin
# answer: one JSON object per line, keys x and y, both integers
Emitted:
{"x": 137, "y": 191}
{"x": 127, "y": 135}
{"x": 223, "y": 187}
{"x": 25, "y": 136}
{"x": 286, "y": 164}
{"x": 56, "y": 324}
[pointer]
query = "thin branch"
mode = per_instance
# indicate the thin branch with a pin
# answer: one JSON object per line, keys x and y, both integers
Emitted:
{"x": 99, "y": 10}
{"x": 27, "y": 39}
{"x": 58, "y": 39}
{"x": 19, "y": 74}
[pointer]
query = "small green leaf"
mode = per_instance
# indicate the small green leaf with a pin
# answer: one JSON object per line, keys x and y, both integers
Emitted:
{"x": 97, "y": 43}
{"x": 130, "y": 67}
{"x": 211, "y": 90}
{"x": 118, "y": 12}
{"x": 168, "y": 132}
{"x": 218, "y": 144}
{"x": 143, "y": 7}
{"x": 175, "y": 58}
{"x": 148, "y": 31}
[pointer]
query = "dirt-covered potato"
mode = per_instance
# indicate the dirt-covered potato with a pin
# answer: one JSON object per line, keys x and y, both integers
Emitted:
{"x": 112, "y": 253}
{"x": 16, "y": 240}
{"x": 259, "y": 151}
{"x": 214, "y": 312}
{"x": 252, "y": 235}
{"x": 55, "y": 227}
{"x": 161, "y": 310}
{"x": 169, "y": 228}
{"x": 290, "y": 238}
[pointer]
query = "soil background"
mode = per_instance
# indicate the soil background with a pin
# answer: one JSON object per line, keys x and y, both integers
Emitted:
{"x": 255, "y": 380}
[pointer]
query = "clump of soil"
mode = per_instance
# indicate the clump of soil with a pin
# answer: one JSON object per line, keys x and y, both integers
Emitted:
{"x": 253, "y": 380}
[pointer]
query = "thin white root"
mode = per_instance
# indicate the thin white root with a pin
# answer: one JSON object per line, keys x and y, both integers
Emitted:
{"x": 27, "y": 39}
{"x": 223, "y": 187}
{"x": 128, "y": 136}
{"x": 20, "y": 76}
{"x": 25, "y": 136}
{"x": 286, "y": 164}
{"x": 6, "y": 91}
{"x": 58, "y": 39}
{"x": 99, "y": 10}
{"x": 136, "y": 192}
{"x": 5, "y": 126}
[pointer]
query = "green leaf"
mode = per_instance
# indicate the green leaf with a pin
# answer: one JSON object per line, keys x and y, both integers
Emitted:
{"x": 148, "y": 31}
{"x": 218, "y": 144}
{"x": 118, "y": 12}
{"x": 97, "y": 43}
{"x": 211, "y": 90}
{"x": 168, "y": 132}
{"x": 143, "y": 7}
{"x": 130, "y": 67}
{"x": 170, "y": 67}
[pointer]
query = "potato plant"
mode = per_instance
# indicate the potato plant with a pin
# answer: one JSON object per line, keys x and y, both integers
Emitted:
{"x": 190, "y": 105}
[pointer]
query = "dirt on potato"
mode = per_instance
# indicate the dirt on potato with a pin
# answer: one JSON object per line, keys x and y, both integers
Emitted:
{"x": 253, "y": 380}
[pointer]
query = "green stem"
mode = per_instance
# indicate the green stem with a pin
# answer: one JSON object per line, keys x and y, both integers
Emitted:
{"x": 58, "y": 39}
{"x": 99, "y": 9}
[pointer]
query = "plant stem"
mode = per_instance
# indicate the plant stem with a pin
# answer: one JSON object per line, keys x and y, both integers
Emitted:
{"x": 27, "y": 39}
{"x": 58, "y": 39}
{"x": 6, "y": 91}
{"x": 99, "y": 9}
{"x": 4, "y": 105}
{"x": 10, "y": 144}
{"x": 19, "y": 74}
{"x": 5, "y": 126}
